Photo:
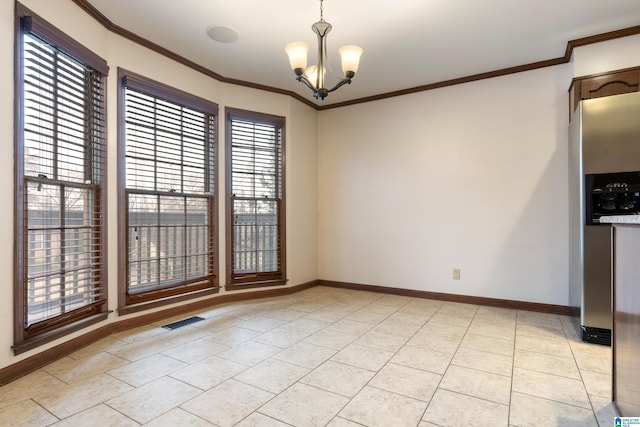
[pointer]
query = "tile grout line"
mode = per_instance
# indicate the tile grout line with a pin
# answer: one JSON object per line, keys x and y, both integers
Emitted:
{"x": 449, "y": 364}
{"x": 593, "y": 411}
{"x": 338, "y": 351}
{"x": 513, "y": 366}
{"x": 376, "y": 372}
{"x": 389, "y": 360}
{"x": 275, "y": 395}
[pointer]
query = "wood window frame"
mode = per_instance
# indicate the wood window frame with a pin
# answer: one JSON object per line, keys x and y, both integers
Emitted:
{"x": 236, "y": 280}
{"x": 28, "y": 336}
{"x": 188, "y": 289}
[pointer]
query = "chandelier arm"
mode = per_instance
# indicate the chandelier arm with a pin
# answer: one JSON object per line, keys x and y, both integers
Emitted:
{"x": 340, "y": 84}
{"x": 323, "y": 52}
{"x": 322, "y": 49}
{"x": 320, "y": 64}
{"x": 318, "y": 93}
{"x": 306, "y": 81}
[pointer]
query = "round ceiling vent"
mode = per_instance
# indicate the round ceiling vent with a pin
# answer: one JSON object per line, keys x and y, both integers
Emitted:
{"x": 222, "y": 34}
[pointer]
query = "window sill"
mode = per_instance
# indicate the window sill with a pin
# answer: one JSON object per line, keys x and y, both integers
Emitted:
{"x": 60, "y": 332}
{"x": 256, "y": 284}
{"x": 134, "y": 308}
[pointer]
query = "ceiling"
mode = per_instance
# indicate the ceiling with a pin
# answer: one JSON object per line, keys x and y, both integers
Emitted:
{"x": 407, "y": 43}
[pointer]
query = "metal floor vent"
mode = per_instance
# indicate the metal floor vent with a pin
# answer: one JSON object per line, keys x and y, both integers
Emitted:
{"x": 184, "y": 322}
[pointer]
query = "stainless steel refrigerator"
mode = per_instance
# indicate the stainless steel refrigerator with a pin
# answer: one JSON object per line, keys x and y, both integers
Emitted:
{"x": 604, "y": 174}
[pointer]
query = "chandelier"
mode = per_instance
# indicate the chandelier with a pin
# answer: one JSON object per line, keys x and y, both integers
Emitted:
{"x": 314, "y": 76}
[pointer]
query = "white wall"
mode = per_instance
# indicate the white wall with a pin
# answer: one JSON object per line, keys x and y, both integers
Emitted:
{"x": 614, "y": 54}
{"x": 302, "y": 194}
{"x": 300, "y": 155}
{"x": 6, "y": 178}
{"x": 471, "y": 176}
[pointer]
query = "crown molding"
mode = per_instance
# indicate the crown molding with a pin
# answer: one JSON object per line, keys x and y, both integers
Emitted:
{"x": 571, "y": 45}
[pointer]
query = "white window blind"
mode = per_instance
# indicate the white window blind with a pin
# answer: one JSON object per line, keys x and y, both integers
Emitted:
{"x": 169, "y": 154}
{"x": 62, "y": 171}
{"x": 256, "y": 163}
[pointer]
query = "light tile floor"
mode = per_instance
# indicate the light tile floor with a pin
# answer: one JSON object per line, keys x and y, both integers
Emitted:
{"x": 328, "y": 357}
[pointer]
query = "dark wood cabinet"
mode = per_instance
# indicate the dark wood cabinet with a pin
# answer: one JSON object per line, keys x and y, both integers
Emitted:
{"x": 605, "y": 84}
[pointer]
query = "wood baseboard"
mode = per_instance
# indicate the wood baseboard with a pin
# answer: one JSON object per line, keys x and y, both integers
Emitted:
{"x": 493, "y": 302}
{"x": 37, "y": 361}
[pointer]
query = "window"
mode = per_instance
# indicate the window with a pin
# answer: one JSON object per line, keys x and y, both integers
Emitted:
{"x": 255, "y": 199}
{"x": 60, "y": 173}
{"x": 168, "y": 215}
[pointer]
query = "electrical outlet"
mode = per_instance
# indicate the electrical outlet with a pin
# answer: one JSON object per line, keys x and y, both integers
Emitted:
{"x": 456, "y": 273}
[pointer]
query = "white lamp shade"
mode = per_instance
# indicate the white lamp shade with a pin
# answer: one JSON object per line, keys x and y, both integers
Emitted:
{"x": 350, "y": 58}
{"x": 297, "y": 52}
{"x": 312, "y": 74}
